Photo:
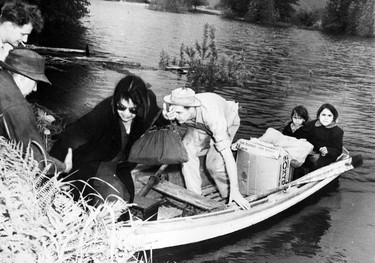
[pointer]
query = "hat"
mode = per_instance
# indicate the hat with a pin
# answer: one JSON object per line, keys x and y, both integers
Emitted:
{"x": 183, "y": 97}
{"x": 27, "y": 63}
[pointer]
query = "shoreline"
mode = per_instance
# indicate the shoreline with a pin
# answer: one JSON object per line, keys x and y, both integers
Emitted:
{"x": 208, "y": 11}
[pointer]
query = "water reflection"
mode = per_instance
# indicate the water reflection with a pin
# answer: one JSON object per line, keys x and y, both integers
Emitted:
{"x": 303, "y": 237}
{"x": 67, "y": 36}
{"x": 297, "y": 236}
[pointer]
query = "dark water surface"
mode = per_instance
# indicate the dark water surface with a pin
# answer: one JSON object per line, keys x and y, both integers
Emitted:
{"x": 291, "y": 67}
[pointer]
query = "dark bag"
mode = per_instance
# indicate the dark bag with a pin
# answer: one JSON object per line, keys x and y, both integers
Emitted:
{"x": 159, "y": 146}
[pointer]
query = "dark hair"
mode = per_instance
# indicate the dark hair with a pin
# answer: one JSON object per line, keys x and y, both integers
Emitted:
{"x": 330, "y": 108}
{"x": 21, "y": 14}
{"x": 134, "y": 88}
{"x": 301, "y": 111}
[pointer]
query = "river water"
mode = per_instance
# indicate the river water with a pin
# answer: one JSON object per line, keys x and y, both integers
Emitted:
{"x": 292, "y": 66}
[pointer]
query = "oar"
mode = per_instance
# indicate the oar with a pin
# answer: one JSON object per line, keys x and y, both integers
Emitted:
{"x": 314, "y": 176}
{"x": 153, "y": 180}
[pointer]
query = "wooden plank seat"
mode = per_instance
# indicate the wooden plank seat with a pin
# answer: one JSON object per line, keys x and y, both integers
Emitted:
{"x": 187, "y": 196}
{"x": 210, "y": 199}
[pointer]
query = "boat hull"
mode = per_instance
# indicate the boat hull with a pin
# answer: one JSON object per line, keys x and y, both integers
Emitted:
{"x": 193, "y": 229}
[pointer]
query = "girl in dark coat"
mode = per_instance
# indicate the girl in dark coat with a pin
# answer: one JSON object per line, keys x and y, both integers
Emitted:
{"x": 326, "y": 137}
{"x": 101, "y": 140}
{"x": 298, "y": 117}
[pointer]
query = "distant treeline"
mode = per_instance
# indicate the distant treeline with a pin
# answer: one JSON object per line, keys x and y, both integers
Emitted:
{"x": 350, "y": 16}
{"x": 355, "y": 17}
{"x": 339, "y": 16}
{"x": 176, "y": 6}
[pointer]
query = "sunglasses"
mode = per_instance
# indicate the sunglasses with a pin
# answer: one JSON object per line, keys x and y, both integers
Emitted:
{"x": 132, "y": 110}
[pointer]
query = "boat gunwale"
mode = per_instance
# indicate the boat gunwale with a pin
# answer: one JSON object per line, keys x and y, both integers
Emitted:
{"x": 187, "y": 230}
{"x": 235, "y": 208}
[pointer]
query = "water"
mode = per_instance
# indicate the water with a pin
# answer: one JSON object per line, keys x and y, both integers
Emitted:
{"x": 292, "y": 67}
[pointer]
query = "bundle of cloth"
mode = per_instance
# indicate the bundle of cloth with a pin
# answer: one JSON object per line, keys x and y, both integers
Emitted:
{"x": 298, "y": 149}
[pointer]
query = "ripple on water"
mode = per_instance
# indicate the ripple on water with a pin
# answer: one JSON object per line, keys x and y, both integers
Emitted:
{"x": 289, "y": 67}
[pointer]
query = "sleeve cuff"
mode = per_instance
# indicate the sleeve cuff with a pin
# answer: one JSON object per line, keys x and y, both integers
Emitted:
{"x": 222, "y": 145}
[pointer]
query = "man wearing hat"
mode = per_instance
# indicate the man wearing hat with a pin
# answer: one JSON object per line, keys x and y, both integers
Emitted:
{"x": 17, "y": 20}
{"x": 21, "y": 70}
{"x": 210, "y": 119}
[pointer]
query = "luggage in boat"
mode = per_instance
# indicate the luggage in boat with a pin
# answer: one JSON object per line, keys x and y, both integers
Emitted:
{"x": 298, "y": 149}
{"x": 261, "y": 166}
{"x": 145, "y": 208}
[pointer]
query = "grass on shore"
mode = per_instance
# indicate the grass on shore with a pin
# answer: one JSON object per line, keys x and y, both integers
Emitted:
{"x": 40, "y": 222}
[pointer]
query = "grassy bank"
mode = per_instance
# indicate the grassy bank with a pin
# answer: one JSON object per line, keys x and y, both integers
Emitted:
{"x": 40, "y": 222}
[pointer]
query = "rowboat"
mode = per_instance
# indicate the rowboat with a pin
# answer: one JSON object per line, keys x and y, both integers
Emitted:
{"x": 224, "y": 219}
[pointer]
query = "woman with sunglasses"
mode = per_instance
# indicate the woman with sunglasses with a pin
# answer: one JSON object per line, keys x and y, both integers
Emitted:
{"x": 101, "y": 140}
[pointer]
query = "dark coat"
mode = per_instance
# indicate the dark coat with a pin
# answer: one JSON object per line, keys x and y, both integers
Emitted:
{"x": 299, "y": 133}
{"x": 320, "y": 136}
{"x": 96, "y": 139}
{"x": 17, "y": 121}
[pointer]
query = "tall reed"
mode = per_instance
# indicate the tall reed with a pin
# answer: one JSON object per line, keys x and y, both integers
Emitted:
{"x": 40, "y": 222}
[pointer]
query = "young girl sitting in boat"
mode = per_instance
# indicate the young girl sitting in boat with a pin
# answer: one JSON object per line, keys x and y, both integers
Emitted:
{"x": 298, "y": 117}
{"x": 326, "y": 137}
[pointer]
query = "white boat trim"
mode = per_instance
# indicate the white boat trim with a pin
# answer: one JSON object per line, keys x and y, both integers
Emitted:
{"x": 188, "y": 230}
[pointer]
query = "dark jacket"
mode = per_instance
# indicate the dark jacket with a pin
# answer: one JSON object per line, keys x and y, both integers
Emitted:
{"x": 320, "y": 136}
{"x": 17, "y": 121}
{"x": 296, "y": 134}
{"x": 96, "y": 138}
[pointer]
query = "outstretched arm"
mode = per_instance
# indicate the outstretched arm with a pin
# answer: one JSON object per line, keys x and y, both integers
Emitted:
{"x": 234, "y": 193}
{"x": 86, "y": 129}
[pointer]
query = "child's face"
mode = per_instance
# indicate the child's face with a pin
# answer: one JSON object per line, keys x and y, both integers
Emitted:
{"x": 326, "y": 117}
{"x": 297, "y": 120}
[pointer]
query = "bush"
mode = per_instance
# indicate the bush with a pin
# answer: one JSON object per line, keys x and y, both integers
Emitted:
{"x": 343, "y": 16}
{"x": 263, "y": 12}
{"x": 308, "y": 18}
{"x": 49, "y": 124}
{"x": 206, "y": 69}
{"x": 366, "y": 20}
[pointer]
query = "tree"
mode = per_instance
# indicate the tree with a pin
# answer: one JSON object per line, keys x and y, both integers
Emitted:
{"x": 67, "y": 11}
{"x": 343, "y": 16}
{"x": 365, "y": 25}
{"x": 238, "y": 7}
{"x": 285, "y": 8}
{"x": 197, "y": 3}
{"x": 261, "y": 11}
{"x": 333, "y": 20}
